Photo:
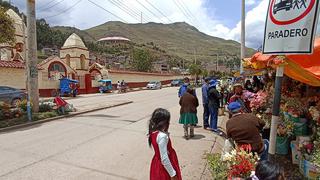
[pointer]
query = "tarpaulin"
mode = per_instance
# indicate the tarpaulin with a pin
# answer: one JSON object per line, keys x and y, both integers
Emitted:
{"x": 303, "y": 68}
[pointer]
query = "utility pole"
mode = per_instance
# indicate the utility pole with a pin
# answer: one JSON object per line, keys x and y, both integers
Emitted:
{"x": 243, "y": 34}
{"x": 141, "y": 17}
{"x": 32, "y": 70}
{"x": 195, "y": 56}
{"x": 217, "y": 63}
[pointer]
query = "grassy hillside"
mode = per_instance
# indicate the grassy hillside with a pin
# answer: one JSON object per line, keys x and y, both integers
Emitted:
{"x": 178, "y": 39}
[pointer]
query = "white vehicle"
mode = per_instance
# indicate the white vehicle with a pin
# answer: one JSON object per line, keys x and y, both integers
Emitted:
{"x": 154, "y": 85}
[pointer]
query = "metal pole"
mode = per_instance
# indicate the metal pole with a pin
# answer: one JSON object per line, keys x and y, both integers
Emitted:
{"x": 275, "y": 110}
{"x": 141, "y": 17}
{"x": 243, "y": 34}
{"x": 33, "y": 91}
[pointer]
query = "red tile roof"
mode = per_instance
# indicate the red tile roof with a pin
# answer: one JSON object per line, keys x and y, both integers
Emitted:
{"x": 12, "y": 64}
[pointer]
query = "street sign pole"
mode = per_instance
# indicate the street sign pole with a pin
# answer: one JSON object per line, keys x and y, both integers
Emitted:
{"x": 275, "y": 110}
{"x": 243, "y": 34}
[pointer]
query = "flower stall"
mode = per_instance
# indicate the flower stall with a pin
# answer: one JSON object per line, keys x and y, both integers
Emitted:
{"x": 299, "y": 106}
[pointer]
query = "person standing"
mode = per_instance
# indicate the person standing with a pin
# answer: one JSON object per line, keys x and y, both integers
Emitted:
{"x": 256, "y": 84}
{"x": 188, "y": 112}
{"x": 183, "y": 88}
{"x": 248, "y": 86}
{"x": 119, "y": 87}
{"x": 205, "y": 103}
{"x": 164, "y": 164}
{"x": 214, "y": 104}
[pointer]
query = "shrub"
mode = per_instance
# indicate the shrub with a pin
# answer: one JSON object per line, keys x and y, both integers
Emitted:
{"x": 45, "y": 106}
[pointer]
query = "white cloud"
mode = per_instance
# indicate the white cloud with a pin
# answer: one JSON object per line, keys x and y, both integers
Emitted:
{"x": 250, "y": 2}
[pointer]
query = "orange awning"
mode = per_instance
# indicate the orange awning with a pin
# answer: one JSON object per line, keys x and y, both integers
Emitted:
{"x": 303, "y": 68}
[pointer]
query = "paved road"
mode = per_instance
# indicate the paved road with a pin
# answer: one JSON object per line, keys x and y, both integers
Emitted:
{"x": 107, "y": 144}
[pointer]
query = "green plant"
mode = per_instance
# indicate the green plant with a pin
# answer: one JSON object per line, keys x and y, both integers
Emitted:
{"x": 45, "y": 107}
{"x": 44, "y": 115}
{"x": 218, "y": 169}
{"x": 23, "y": 105}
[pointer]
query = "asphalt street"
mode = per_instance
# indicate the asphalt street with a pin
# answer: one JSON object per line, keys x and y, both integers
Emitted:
{"x": 106, "y": 144}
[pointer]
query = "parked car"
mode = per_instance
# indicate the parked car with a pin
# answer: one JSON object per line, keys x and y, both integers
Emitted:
{"x": 176, "y": 82}
{"x": 11, "y": 95}
{"x": 154, "y": 85}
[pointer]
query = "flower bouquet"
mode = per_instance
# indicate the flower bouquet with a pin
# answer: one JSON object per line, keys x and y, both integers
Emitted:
{"x": 285, "y": 128}
{"x": 240, "y": 162}
{"x": 315, "y": 114}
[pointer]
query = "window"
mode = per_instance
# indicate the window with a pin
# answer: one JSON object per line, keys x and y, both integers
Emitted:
{"x": 83, "y": 61}
{"x": 57, "y": 70}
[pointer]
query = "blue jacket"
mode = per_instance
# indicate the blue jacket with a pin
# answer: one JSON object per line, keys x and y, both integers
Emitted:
{"x": 183, "y": 90}
{"x": 204, "y": 89}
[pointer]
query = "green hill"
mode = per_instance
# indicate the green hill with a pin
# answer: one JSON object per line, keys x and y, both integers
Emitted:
{"x": 180, "y": 39}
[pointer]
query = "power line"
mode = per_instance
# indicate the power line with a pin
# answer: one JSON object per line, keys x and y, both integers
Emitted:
{"x": 185, "y": 7}
{"x": 149, "y": 11}
{"x": 158, "y": 11}
{"x": 124, "y": 10}
{"x": 51, "y": 6}
{"x": 182, "y": 10}
{"x": 46, "y": 4}
{"x": 147, "y": 18}
{"x": 64, "y": 11}
{"x": 108, "y": 11}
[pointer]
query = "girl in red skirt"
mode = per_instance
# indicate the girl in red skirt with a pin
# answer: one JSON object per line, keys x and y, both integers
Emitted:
{"x": 164, "y": 165}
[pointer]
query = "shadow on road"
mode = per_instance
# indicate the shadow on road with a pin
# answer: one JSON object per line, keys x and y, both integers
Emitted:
{"x": 197, "y": 136}
{"x": 98, "y": 115}
{"x": 22, "y": 129}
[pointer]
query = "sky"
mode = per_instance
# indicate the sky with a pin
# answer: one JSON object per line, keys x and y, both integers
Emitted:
{"x": 220, "y": 18}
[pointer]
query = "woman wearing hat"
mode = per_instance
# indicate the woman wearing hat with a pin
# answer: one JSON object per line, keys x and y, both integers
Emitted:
{"x": 188, "y": 112}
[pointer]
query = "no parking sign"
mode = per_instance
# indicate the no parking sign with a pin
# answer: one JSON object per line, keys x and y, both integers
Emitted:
{"x": 290, "y": 26}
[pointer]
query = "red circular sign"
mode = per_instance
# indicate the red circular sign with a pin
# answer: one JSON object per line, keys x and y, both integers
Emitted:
{"x": 278, "y": 22}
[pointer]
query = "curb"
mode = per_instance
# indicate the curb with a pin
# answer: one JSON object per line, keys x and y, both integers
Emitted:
{"x": 20, "y": 126}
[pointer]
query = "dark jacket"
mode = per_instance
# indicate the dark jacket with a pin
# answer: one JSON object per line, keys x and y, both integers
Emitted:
{"x": 214, "y": 97}
{"x": 245, "y": 129}
{"x": 188, "y": 103}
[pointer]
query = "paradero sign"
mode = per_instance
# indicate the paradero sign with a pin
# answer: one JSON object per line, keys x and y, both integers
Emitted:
{"x": 290, "y": 26}
{"x": 288, "y": 5}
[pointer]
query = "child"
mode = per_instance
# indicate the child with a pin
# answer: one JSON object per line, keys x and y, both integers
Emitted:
{"x": 188, "y": 112}
{"x": 164, "y": 165}
{"x": 266, "y": 170}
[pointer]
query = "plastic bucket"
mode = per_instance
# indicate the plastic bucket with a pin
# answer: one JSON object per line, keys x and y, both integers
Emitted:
{"x": 282, "y": 145}
{"x": 300, "y": 129}
{"x": 310, "y": 170}
{"x": 296, "y": 155}
{"x": 294, "y": 119}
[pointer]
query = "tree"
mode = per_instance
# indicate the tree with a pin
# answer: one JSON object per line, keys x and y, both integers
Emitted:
{"x": 141, "y": 60}
{"x": 195, "y": 70}
{"x": 6, "y": 28}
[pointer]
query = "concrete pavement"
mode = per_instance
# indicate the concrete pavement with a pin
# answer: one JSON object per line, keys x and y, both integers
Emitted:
{"x": 107, "y": 144}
